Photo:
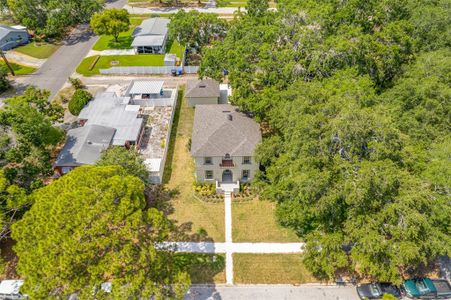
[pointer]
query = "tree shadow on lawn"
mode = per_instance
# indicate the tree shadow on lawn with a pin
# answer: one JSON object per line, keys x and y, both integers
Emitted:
{"x": 160, "y": 198}
{"x": 123, "y": 42}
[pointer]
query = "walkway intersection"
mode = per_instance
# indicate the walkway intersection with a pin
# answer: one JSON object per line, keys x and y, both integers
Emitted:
{"x": 229, "y": 247}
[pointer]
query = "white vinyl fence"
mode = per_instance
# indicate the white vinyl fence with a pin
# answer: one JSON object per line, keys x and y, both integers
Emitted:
{"x": 147, "y": 70}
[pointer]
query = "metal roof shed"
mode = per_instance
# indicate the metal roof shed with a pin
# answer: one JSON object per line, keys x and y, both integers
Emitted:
{"x": 139, "y": 87}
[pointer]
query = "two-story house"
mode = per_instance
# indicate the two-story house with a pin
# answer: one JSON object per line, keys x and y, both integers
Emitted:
{"x": 223, "y": 145}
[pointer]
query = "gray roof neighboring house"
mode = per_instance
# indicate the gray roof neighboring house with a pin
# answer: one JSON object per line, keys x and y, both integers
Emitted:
{"x": 221, "y": 129}
{"x": 84, "y": 145}
{"x": 107, "y": 109}
{"x": 152, "y": 26}
{"x": 5, "y": 30}
{"x": 205, "y": 88}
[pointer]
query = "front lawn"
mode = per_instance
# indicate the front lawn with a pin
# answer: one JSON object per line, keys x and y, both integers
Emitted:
{"x": 41, "y": 50}
{"x": 203, "y": 221}
{"x": 175, "y": 48}
{"x": 270, "y": 269}
{"x": 204, "y": 268}
{"x": 18, "y": 69}
{"x": 255, "y": 221}
{"x": 105, "y": 62}
{"x": 106, "y": 42}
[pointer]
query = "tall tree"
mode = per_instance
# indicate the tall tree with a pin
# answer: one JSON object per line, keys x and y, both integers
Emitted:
{"x": 90, "y": 227}
{"x": 111, "y": 22}
{"x": 257, "y": 8}
{"x": 129, "y": 159}
{"x": 51, "y": 17}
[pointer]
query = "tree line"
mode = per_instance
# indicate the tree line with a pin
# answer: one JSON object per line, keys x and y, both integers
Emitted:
{"x": 354, "y": 101}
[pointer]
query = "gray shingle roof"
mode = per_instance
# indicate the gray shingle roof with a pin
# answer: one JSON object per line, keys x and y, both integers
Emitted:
{"x": 84, "y": 145}
{"x": 204, "y": 88}
{"x": 214, "y": 134}
{"x": 152, "y": 26}
{"x": 109, "y": 110}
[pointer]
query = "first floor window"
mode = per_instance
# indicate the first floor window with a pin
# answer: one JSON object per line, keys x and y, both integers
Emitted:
{"x": 246, "y": 174}
{"x": 209, "y": 174}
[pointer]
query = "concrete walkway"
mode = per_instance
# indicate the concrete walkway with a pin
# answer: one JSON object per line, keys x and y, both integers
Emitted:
{"x": 229, "y": 247}
{"x": 24, "y": 59}
{"x": 111, "y": 52}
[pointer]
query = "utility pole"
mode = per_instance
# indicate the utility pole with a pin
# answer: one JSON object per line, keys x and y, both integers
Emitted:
{"x": 2, "y": 54}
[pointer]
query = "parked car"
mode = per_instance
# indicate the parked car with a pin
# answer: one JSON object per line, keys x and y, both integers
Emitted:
{"x": 10, "y": 289}
{"x": 443, "y": 288}
{"x": 420, "y": 288}
{"x": 377, "y": 290}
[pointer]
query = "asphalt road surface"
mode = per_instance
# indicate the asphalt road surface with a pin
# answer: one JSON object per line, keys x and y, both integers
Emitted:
{"x": 57, "y": 69}
{"x": 271, "y": 292}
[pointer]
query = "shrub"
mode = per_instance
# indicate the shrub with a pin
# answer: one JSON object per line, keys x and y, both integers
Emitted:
{"x": 76, "y": 83}
{"x": 4, "y": 83}
{"x": 78, "y": 101}
{"x": 205, "y": 189}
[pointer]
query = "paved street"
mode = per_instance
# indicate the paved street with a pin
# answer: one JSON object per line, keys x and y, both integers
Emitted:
{"x": 271, "y": 292}
{"x": 55, "y": 71}
{"x": 170, "y": 10}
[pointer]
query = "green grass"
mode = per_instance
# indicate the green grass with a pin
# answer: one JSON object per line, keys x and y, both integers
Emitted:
{"x": 201, "y": 219}
{"x": 106, "y": 42}
{"x": 18, "y": 69}
{"x": 204, "y": 268}
{"x": 255, "y": 221}
{"x": 270, "y": 269}
{"x": 176, "y": 49}
{"x": 40, "y": 50}
{"x": 123, "y": 61}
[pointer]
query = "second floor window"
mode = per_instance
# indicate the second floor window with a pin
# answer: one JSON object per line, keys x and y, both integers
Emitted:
{"x": 208, "y": 160}
{"x": 246, "y": 160}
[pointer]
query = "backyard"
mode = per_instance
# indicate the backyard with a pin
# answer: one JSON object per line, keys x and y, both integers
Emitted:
{"x": 200, "y": 220}
{"x": 270, "y": 269}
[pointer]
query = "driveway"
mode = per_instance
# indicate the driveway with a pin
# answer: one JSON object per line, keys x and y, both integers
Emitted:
{"x": 56, "y": 70}
{"x": 271, "y": 292}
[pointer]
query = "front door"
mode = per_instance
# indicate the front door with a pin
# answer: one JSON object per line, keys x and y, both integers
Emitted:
{"x": 227, "y": 176}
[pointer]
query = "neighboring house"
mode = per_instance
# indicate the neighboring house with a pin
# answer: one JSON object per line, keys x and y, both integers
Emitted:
{"x": 151, "y": 36}
{"x": 10, "y": 289}
{"x": 205, "y": 91}
{"x": 148, "y": 93}
{"x": 106, "y": 120}
{"x": 84, "y": 146}
{"x": 12, "y": 36}
{"x": 223, "y": 145}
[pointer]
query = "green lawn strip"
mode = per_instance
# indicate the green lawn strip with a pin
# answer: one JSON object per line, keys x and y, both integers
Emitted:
{"x": 39, "y": 50}
{"x": 175, "y": 48}
{"x": 277, "y": 268}
{"x": 18, "y": 69}
{"x": 204, "y": 268}
{"x": 122, "y": 61}
{"x": 255, "y": 221}
{"x": 201, "y": 221}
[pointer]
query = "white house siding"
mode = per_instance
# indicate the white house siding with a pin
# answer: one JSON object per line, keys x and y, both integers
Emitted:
{"x": 218, "y": 171}
{"x": 193, "y": 101}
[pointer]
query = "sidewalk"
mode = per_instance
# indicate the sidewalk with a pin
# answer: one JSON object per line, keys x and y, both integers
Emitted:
{"x": 24, "y": 59}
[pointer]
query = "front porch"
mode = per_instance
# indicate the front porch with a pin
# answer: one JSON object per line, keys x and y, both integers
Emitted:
{"x": 227, "y": 187}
